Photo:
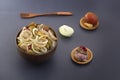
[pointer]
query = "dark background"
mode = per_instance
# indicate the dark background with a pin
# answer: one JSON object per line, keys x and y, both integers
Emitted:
{"x": 104, "y": 42}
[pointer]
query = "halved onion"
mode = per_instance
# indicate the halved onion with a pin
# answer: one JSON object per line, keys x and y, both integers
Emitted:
{"x": 66, "y": 31}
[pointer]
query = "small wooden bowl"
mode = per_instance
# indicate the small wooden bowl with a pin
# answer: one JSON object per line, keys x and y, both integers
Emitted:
{"x": 89, "y": 58}
{"x": 82, "y": 21}
{"x": 36, "y": 58}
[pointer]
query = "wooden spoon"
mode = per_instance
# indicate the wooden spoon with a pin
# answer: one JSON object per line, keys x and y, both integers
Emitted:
{"x": 31, "y": 15}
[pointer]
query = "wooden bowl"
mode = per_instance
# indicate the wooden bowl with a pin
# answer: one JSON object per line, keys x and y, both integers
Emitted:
{"x": 36, "y": 58}
{"x": 82, "y": 21}
{"x": 89, "y": 56}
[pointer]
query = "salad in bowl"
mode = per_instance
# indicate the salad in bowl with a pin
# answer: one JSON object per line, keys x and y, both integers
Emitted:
{"x": 36, "y": 42}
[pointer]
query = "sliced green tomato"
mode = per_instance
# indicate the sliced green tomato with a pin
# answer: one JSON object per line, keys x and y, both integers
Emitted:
{"x": 66, "y": 31}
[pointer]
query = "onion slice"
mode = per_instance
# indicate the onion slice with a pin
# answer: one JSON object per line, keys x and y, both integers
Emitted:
{"x": 25, "y": 35}
{"x": 52, "y": 35}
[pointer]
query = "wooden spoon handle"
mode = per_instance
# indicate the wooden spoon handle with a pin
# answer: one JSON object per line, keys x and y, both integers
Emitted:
{"x": 64, "y": 13}
{"x": 56, "y": 13}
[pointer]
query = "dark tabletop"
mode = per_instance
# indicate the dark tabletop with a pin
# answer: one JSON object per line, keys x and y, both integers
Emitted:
{"x": 104, "y": 42}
